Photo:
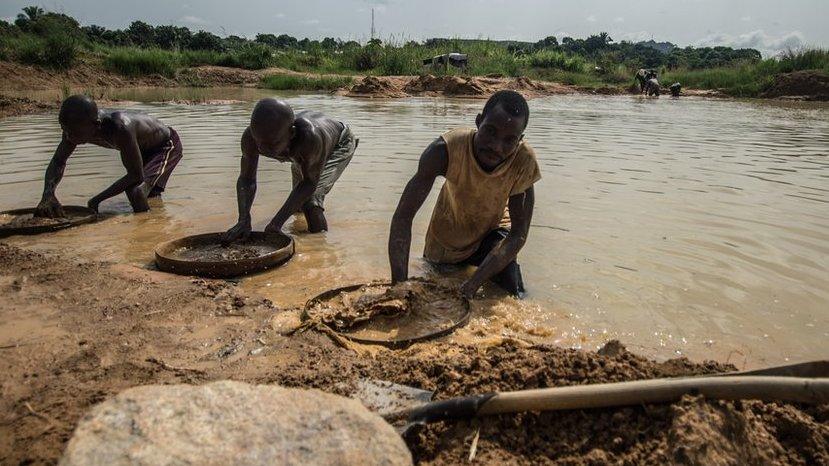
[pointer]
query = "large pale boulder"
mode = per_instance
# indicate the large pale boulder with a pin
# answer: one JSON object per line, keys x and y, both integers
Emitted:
{"x": 232, "y": 423}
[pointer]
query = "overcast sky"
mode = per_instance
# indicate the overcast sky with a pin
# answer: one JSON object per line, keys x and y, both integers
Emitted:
{"x": 768, "y": 25}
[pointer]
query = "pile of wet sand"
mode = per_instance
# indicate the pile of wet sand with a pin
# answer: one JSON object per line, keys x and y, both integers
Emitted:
{"x": 806, "y": 85}
{"x": 374, "y": 87}
{"x": 74, "y": 332}
{"x": 447, "y": 85}
{"x": 452, "y": 86}
{"x": 219, "y": 253}
{"x": 28, "y": 220}
{"x": 390, "y": 313}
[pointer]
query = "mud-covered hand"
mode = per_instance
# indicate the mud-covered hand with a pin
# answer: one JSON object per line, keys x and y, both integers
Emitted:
{"x": 273, "y": 228}
{"x": 240, "y": 231}
{"x": 468, "y": 289}
{"x": 49, "y": 207}
{"x": 93, "y": 204}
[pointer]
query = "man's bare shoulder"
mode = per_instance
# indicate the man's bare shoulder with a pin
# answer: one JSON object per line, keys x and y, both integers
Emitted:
{"x": 309, "y": 139}
{"x": 434, "y": 160}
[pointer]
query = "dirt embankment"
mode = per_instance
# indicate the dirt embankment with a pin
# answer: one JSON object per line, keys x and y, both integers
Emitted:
{"x": 12, "y": 106}
{"x": 75, "y": 332}
{"x": 451, "y": 86}
{"x": 800, "y": 85}
{"x": 17, "y": 77}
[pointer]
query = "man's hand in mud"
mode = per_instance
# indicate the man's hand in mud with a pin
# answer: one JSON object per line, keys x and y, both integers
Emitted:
{"x": 273, "y": 228}
{"x": 240, "y": 231}
{"x": 468, "y": 289}
{"x": 93, "y": 204}
{"x": 49, "y": 207}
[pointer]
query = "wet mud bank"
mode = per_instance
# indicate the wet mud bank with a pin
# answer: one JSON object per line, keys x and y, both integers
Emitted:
{"x": 75, "y": 332}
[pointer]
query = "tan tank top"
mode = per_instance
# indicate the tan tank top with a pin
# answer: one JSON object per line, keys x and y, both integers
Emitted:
{"x": 472, "y": 201}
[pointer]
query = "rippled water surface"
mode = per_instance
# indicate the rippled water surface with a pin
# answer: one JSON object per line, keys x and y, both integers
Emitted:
{"x": 693, "y": 227}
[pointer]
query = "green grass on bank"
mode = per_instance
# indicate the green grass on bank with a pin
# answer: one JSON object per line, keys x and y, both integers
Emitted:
{"x": 749, "y": 80}
{"x": 282, "y": 82}
{"x": 64, "y": 47}
{"x": 133, "y": 61}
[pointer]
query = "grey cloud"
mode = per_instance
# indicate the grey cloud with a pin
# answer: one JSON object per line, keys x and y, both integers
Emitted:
{"x": 767, "y": 44}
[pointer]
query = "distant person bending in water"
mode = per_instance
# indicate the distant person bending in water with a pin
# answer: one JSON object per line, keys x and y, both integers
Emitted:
{"x": 149, "y": 151}
{"x": 487, "y": 169}
{"x": 643, "y": 76}
{"x": 318, "y": 147}
{"x": 652, "y": 87}
{"x": 676, "y": 88}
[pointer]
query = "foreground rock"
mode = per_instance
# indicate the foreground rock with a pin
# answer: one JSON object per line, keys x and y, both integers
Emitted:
{"x": 232, "y": 423}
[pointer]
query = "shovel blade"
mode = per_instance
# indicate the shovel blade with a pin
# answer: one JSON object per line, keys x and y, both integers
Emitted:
{"x": 385, "y": 398}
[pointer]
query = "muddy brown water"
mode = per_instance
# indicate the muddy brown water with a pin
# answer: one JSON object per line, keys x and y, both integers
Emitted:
{"x": 681, "y": 227}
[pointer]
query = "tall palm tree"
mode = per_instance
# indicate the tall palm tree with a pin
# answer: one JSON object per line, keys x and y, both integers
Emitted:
{"x": 32, "y": 12}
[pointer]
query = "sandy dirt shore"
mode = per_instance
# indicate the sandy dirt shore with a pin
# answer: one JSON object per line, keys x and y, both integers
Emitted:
{"x": 74, "y": 332}
{"x": 19, "y": 79}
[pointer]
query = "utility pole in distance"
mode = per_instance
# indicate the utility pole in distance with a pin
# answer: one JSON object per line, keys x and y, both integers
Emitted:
{"x": 372, "y": 23}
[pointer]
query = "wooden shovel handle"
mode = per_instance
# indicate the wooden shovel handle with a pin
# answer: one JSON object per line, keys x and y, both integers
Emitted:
{"x": 767, "y": 388}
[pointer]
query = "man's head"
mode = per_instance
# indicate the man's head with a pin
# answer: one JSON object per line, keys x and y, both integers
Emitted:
{"x": 79, "y": 119}
{"x": 272, "y": 127}
{"x": 500, "y": 128}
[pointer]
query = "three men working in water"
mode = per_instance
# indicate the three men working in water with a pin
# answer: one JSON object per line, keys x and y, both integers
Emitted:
{"x": 487, "y": 169}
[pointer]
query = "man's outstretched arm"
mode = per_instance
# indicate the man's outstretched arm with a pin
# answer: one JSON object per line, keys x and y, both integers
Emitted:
{"x": 432, "y": 164}
{"x": 245, "y": 189}
{"x": 521, "y": 214}
{"x": 49, "y": 205}
{"x": 132, "y": 161}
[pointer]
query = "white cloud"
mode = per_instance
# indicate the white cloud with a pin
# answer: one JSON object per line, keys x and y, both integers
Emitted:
{"x": 637, "y": 36}
{"x": 591, "y": 19}
{"x": 193, "y": 20}
{"x": 619, "y": 19}
{"x": 279, "y": 15}
{"x": 767, "y": 44}
{"x": 745, "y": 19}
{"x": 311, "y": 21}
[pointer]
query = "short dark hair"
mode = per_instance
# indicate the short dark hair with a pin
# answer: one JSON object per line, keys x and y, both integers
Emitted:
{"x": 269, "y": 111}
{"x": 514, "y": 103}
{"x": 77, "y": 107}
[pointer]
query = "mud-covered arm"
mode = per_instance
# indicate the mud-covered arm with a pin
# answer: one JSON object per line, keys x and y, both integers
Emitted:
{"x": 131, "y": 159}
{"x": 521, "y": 213}
{"x": 246, "y": 183}
{"x": 49, "y": 205}
{"x": 245, "y": 189}
{"x": 433, "y": 163}
{"x": 310, "y": 164}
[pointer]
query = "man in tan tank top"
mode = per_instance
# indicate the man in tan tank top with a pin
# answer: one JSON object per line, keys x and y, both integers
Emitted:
{"x": 487, "y": 169}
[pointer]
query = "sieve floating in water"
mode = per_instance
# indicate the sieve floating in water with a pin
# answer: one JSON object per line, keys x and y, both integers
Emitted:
{"x": 23, "y": 222}
{"x": 204, "y": 256}
{"x": 438, "y": 312}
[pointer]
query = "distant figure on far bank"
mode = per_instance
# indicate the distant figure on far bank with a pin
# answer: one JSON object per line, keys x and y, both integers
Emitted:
{"x": 149, "y": 151}
{"x": 676, "y": 88}
{"x": 652, "y": 87}
{"x": 643, "y": 76}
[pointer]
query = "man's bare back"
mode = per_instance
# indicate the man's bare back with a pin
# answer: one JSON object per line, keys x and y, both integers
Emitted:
{"x": 318, "y": 147}
{"x": 149, "y": 151}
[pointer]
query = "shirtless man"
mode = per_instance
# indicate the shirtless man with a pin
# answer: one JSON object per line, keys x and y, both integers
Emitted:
{"x": 486, "y": 168}
{"x": 318, "y": 147}
{"x": 149, "y": 151}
